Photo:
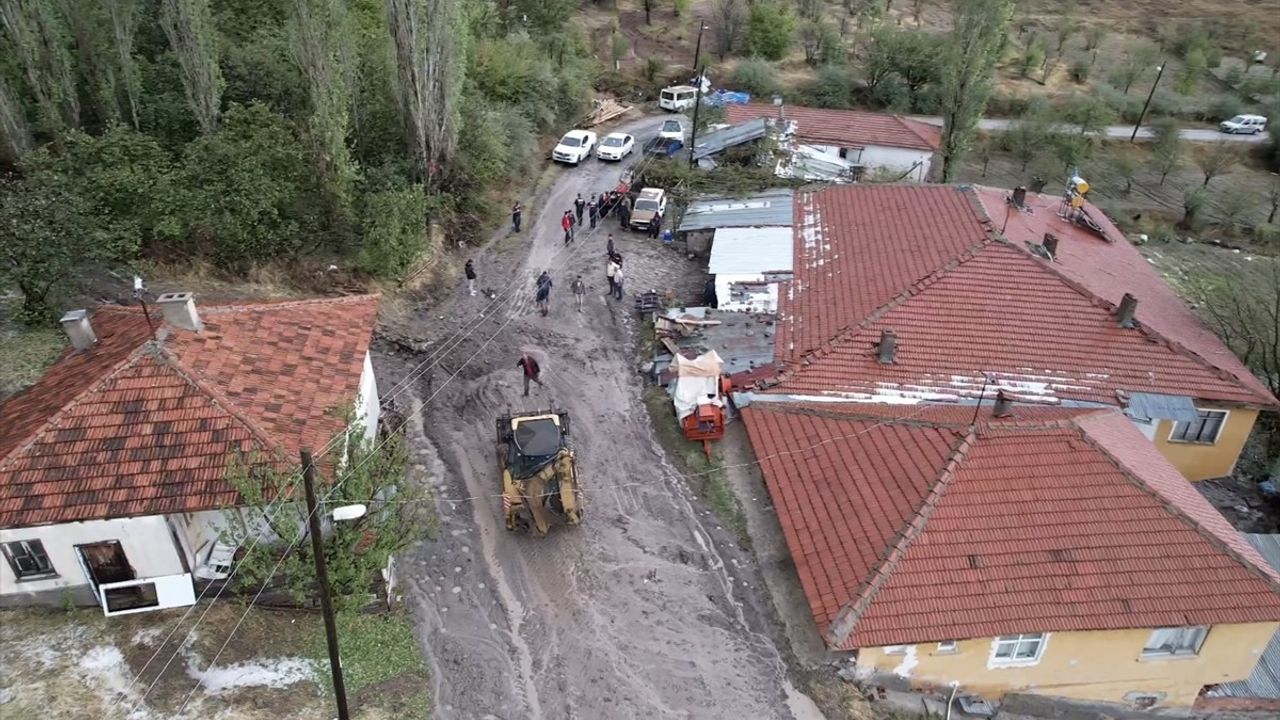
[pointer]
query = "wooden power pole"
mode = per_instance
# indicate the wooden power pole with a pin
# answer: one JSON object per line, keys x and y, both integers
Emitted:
{"x": 322, "y": 578}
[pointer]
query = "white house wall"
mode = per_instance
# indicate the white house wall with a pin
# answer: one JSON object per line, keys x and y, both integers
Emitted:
{"x": 367, "y": 402}
{"x": 147, "y": 542}
{"x": 898, "y": 159}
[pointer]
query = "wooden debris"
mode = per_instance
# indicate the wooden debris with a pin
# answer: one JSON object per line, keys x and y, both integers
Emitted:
{"x": 605, "y": 110}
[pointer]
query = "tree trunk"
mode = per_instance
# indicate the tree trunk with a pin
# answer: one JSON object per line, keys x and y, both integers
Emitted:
{"x": 648, "y": 6}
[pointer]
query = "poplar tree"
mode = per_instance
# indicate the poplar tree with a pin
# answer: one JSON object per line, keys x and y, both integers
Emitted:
{"x": 189, "y": 26}
{"x": 970, "y": 56}
{"x": 430, "y": 46}
{"x": 36, "y": 36}
{"x": 320, "y": 28}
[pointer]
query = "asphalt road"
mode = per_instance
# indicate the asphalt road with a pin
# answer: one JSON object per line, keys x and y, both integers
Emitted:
{"x": 1198, "y": 135}
{"x": 647, "y": 610}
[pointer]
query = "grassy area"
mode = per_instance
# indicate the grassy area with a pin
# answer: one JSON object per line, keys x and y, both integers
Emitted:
{"x": 694, "y": 463}
{"x": 24, "y": 355}
{"x": 380, "y": 660}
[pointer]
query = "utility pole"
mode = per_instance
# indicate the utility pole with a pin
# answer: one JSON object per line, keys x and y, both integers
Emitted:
{"x": 1147, "y": 104}
{"x": 697, "y": 102}
{"x": 697, "y": 48}
{"x": 322, "y": 577}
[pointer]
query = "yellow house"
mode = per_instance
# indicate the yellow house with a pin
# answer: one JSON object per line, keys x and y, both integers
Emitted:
{"x": 1209, "y": 446}
{"x": 1012, "y": 547}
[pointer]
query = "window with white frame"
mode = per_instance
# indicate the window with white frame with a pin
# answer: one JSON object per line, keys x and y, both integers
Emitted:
{"x": 1165, "y": 642}
{"x": 1204, "y": 430}
{"x": 896, "y": 649}
{"x": 947, "y": 646}
{"x": 28, "y": 559}
{"x": 1024, "y": 649}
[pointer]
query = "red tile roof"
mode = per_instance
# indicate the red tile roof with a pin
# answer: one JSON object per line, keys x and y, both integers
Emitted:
{"x": 969, "y": 306}
{"x": 135, "y": 427}
{"x": 846, "y": 128}
{"x": 1056, "y": 519}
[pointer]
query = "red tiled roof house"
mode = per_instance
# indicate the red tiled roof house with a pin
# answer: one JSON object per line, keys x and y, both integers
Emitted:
{"x": 876, "y": 141}
{"x": 113, "y": 464}
{"x": 978, "y": 446}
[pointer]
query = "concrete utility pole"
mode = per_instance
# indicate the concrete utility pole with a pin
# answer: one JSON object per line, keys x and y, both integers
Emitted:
{"x": 322, "y": 577}
{"x": 1147, "y": 104}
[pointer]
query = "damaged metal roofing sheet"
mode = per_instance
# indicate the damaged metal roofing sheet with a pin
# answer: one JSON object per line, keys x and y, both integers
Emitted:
{"x": 751, "y": 251}
{"x": 1264, "y": 682}
{"x": 1157, "y": 406}
{"x": 771, "y": 207}
{"x": 732, "y": 136}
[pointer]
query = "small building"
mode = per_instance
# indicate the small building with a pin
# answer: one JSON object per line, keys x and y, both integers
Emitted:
{"x": 771, "y": 208}
{"x": 850, "y": 139}
{"x": 113, "y": 465}
{"x": 748, "y": 263}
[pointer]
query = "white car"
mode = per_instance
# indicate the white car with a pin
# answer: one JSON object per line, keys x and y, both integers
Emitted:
{"x": 1243, "y": 124}
{"x": 615, "y": 146}
{"x": 671, "y": 129}
{"x": 574, "y": 147}
{"x": 678, "y": 98}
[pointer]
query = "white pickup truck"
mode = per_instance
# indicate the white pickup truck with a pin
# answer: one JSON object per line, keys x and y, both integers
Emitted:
{"x": 574, "y": 147}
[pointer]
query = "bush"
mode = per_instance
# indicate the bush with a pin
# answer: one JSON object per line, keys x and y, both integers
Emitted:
{"x": 1126, "y": 106}
{"x": 755, "y": 76}
{"x": 770, "y": 29}
{"x": 1234, "y": 76}
{"x": 1079, "y": 71}
{"x": 1225, "y": 107}
{"x": 831, "y": 89}
{"x": 1267, "y": 235}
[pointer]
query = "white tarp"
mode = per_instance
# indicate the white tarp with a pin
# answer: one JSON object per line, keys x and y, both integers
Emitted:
{"x": 697, "y": 382}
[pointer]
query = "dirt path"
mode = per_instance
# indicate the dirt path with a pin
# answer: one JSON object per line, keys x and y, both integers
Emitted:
{"x": 645, "y": 611}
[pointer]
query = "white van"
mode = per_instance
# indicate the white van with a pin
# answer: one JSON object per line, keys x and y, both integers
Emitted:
{"x": 678, "y": 98}
{"x": 1243, "y": 124}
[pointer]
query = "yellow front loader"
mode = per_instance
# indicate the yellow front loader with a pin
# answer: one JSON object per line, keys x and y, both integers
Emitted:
{"x": 539, "y": 473}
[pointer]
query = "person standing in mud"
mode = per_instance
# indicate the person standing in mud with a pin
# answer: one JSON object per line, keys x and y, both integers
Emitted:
{"x": 593, "y": 211}
{"x": 579, "y": 291}
{"x": 542, "y": 295}
{"x": 531, "y": 371}
{"x": 609, "y": 271}
{"x": 516, "y": 212}
{"x": 566, "y": 223}
{"x": 617, "y": 282}
{"x": 470, "y": 271}
{"x": 579, "y": 205}
{"x": 609, "y": 247}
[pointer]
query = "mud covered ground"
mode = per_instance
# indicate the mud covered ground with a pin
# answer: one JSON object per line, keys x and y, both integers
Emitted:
{"x": 649, "y": 609}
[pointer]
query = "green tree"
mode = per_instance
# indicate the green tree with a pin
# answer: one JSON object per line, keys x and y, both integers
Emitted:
{"x": 820, "y": 42}
{"x": 1193, "y": 201}
{"x": 1068, "y": 26}
{"x": 831, "y": 89}
{"x": 1194, "y": 66}
{"x": 1093, "y": 39}
{"x": 1169, "y": 149}
{"x": 189, "y": 26}
{"x": 15, "y": 134}
{"x": 727, "y": 20}
{"x": 1139, "y": 61}
{"x": 1033, "y": 56}
{"x": 356, "y": 551}
{"x": 978, "y": 32}
{"x": 430, "y": 50}
{"x": 1091, "y": 113}
{"x": 770, "y": 29}
{"x": 1124, "y": 167}
{"x": 122, "y": 178}
{"x": 756, "y": 76}
{"x": 320, "y": 29}
{"x": 35, "y": 36}
{"x": 395, "y": 232}
{"x": 46, "y": 235}
{"x": 1216, "y": 159}
{"x": 247, "y": 190}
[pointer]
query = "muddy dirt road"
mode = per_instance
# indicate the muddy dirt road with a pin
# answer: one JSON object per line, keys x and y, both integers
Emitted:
{"x": 647, "y": 610}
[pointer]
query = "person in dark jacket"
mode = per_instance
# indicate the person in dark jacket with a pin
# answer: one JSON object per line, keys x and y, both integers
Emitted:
{"x": 531, "y": 371}
{"x": 624, "y": 213}
{"x": 593, "y": 210}
{"x": 516, "y": 211}
{"x": 655, "y": 226}
{"x": 470, "y": 271}
{"x": 579, "y": 205}
{"x": 542, "y": 293}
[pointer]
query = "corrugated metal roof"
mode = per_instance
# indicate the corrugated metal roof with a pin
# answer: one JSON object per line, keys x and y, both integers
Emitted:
{"x": 724, "y": 138}
{"x": 771, "y": 207}
{"x": 743, "y": 340}
{"x": 1264, "y": 682}
{"x": 1151, "y": 406}
{"x": 751, "y": 250}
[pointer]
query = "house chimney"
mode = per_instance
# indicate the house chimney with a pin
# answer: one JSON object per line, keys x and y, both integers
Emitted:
{"x": 79, "y": 331}
{"x": 179, "y": 310}
{"x": 1003, "y": 406}
{"x": 888, "y": 347}
{"x": 1051, "y": 244}
{"x": 1124, "y": 313}
{"x": 1020, "y": 197}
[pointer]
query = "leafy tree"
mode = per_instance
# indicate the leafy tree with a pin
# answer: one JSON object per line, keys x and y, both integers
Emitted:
{"x": 831, "y": 89}
{"x": 1068, "y": 26}
{"x": 1033, "y": 56}
{"x": 1216, "y": 159}
{"x": 35, "y": 36}
{"x": 618, "y": 46}
{"x": 1194, "y": 66}
{"x": 727, "y": 20}
{"x": 820, "y": 41}
{"x": 1124, "y": 167}
{"x": 979, "y": 28}
{"x": 355, "y": 551}
{"x": 46, "y": 235}
{"x": 770, "y": 29}
{"x": 1169, "y": 149}
{"x": 189, "y": 26}
{"x": 245, "y": 190}
{"x": 1247, "y": 318}
{"x": 430, "y": 43}
{"x": 1193, "y": 201}
{"x": 123, "y": 18}
{"x": 395, "y": 232}
{"x": 1139, "y": 60}
{"x": 755, "y": 76}
{"x": 1025, "y": 141}
{"x": 1092, "y": 114}
{"x": 1093, "y": 39}
{"x": 320, "y": 29}
{"x": 15, "y": 134}
{"x": 122, "y": 178}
